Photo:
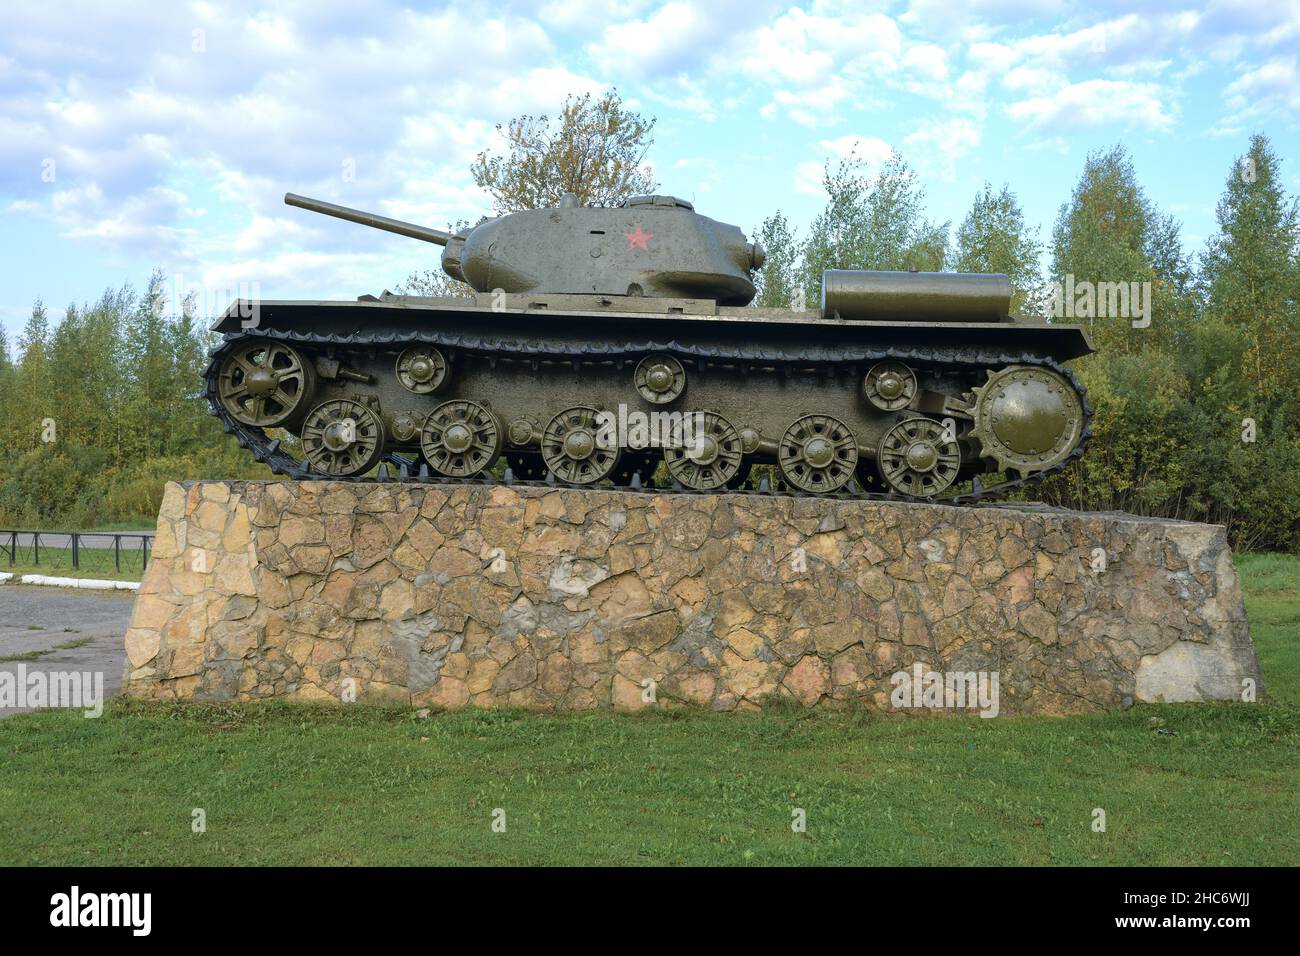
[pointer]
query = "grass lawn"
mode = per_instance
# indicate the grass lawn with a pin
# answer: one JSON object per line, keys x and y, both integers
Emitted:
{"x": 147, "y": 522}
{"x": 1179, "y": 784}
{"x": 91, "y": 567}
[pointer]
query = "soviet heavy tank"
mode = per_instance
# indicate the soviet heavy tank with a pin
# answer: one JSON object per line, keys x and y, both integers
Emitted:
{"x": 599, "y": 343}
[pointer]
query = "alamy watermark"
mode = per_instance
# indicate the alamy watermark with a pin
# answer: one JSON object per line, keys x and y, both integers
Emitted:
{"x": 940, "y": 690}
{"x": 632, "y": 428}
{"x": 1100, "y": 300}
{"x": 75, "y": 908}
{"x": 244, "y": 300}
{"x": 74, "y": 690}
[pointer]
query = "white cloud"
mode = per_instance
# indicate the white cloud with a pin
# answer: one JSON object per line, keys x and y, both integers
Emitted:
{"x": 814, "y": 64}
{"x": 872, "y": 150}
{"x": 1095, "y": 103}
{"x": 937, "y": 145}
{"x": 1273, "y": 88}
{"x": 680, "y": 36}
{"x": 808, "y": 177}
{"x": 927, "y": 61}
{"x": 274, "y": 101}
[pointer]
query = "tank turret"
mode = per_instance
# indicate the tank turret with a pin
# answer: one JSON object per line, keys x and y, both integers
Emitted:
{"x": 651, "y": 246}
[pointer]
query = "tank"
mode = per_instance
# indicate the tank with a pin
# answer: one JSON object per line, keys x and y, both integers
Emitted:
{"x": 616, "y": 346}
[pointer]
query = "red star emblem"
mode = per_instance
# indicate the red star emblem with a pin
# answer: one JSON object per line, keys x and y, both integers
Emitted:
{"x": 638, "y": 238}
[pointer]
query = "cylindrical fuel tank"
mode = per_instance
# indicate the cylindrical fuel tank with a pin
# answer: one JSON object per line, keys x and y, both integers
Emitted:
{"x": 916, "y": 296}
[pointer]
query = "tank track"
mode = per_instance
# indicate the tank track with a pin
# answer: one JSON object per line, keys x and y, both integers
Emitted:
{"x": 267, "y": 450}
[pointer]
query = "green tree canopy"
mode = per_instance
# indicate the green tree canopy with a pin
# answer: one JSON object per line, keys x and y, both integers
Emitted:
{"x": 994, "y": 238}
{"x": 1251, "y": 271}
{"x": 776, "y": 281}
{"x": 872, "y": 223}
{"x": 595, "y": 149}
{"x": 1111, "y": 232}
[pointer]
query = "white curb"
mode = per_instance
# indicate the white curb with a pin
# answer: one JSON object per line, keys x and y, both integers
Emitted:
{"x": 5, "y": 576}
{"x": 90, "y": 583}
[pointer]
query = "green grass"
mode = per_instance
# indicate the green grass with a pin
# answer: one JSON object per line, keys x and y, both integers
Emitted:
{"x": 138, "y": 523}
{"x": 1271, "y": 583}
{"x": 295, "y": 784}
{"x": 95, "y": 563}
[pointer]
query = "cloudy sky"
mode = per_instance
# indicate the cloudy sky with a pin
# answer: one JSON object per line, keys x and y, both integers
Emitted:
{"x": 136, "y": 135}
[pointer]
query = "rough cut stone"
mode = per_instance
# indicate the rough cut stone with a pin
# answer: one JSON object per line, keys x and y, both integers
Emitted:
{"x": 560, "y": 598}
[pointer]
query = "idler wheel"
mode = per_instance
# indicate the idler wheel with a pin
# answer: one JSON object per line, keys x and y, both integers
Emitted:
{"x": 265, "y": 384}
{"x": 709, "y": 453}
{"x": 916, "y": 460}
{"x": 818, "y": 453}
{"x": 421, "y": 369}
{"x": 1027, "y": 418}
{"x": 573, "y": 449}
{"x": 341, "y": 437}
{"x": 659, "y": 379}
{"x": 460, "y": 438}
{"x": 889, "y": 386}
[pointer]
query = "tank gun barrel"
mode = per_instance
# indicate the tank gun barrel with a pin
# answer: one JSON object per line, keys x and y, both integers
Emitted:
{"x": 409, "y": 229}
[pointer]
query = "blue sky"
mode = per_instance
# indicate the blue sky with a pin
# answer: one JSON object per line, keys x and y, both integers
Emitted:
{"x": 143, "y": 135}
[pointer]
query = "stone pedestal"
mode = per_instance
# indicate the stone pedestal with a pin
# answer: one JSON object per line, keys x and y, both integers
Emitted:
{"x": 442, "y": 595}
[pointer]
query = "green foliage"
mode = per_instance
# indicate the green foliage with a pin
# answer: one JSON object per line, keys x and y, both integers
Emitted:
{"x": 1250, "y": 271}
{"x": 594, "y": 149}
{"x": 776, "y": 282}
{"x": 1178, "y": 403}
{"x": 101, "y": 411}
{"x": 993, "y": 238}
{"x": 872, "y": 223}
{"x": 1111, "y": 232}
{"x": 435, "y": 283}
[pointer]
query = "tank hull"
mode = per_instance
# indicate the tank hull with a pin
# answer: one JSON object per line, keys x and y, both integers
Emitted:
{"x": 771, "y": 387}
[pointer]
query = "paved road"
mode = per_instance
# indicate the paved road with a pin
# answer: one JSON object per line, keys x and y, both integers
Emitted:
{"x": 39, "y": 618}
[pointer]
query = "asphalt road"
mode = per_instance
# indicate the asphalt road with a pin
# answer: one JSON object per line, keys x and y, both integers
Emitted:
{"x": 37, "y": 619}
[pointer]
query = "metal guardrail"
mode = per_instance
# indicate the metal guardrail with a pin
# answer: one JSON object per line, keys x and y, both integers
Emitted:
{"x": 77, "y": 549}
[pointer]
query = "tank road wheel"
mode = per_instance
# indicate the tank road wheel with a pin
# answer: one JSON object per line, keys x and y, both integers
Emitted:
{"x": 709, "y": 458}
{"x": 659, "y": 379}
{"x": 421, "y": 369}
{"x": 889, "y": 386}
{"x": 264, "y": 384}
{"x": 916, "y": 459}
{"x": 571, "y": 449}
{"x": 818, "y": 453}
{"x": 342, "y": 437}
{"x": 1027, "y": 418}
{"x": 460, "y": 438}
